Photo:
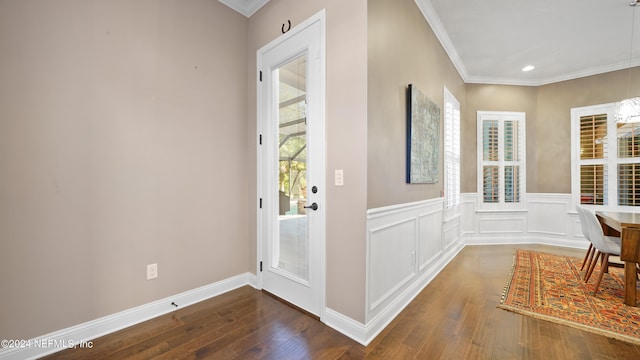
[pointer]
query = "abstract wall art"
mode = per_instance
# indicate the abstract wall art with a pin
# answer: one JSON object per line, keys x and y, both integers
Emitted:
{"x": 423, "y": 138}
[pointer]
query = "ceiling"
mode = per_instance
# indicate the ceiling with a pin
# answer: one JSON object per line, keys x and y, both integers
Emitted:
{"x": 490, "y": 41}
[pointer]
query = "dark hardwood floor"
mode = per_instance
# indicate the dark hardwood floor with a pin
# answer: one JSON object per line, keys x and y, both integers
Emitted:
{"x": 454, "y": 317}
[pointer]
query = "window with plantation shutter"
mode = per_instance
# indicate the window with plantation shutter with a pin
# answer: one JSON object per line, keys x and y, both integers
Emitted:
{"x": 451, "y": 152}
{"x": 593, "y": 156}
{"x": 490, "y": 159}
{"x": 628, "y": 136}
{"x": 490, "y": 183}
{"x": 501, "y": 162}
{"x": 606, "y": 158}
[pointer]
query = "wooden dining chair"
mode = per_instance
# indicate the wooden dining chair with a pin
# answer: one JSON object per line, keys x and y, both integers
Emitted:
{"x": 605, "y": 246}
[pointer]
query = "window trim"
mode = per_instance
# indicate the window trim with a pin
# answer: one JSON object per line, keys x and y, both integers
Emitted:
{"x": 502, "y": 116}
{"x": 611, "y": 162}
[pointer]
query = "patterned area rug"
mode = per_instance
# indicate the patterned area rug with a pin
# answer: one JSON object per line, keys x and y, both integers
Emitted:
{"x": 550, "y": 287}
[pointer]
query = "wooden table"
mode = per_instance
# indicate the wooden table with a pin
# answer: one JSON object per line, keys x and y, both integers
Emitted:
{"x": 627, "y": 226}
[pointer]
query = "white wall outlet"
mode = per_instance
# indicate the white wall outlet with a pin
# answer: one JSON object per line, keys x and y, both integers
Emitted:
{"x": 339, "y": 177}
{"x": 152, "y": 271}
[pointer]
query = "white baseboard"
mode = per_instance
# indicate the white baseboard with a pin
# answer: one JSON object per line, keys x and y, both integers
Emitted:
{"x": 541, "y": 240}
{"x": 347, "y": 326}
{"x": 82, "y": 334}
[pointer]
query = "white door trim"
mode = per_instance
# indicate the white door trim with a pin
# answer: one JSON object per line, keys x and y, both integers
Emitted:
{"x": 318, "y": 18}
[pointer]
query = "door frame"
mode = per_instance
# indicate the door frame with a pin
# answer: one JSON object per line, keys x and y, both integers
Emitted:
{"x": 261, "y": 232}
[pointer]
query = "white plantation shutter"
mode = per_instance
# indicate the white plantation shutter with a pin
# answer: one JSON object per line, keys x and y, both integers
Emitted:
{"x": 512, "y": 154}
{"x": 490, "y": 161}
{"x": 491, "y": 181}
{"x": 628, "y": 136}
{"x": 606, "y": 158}
{"x": 628, "y": 180}
{"x": 593, "y": 158}
{"x": 451, "y": 150}
{"x": 501, "y": 159}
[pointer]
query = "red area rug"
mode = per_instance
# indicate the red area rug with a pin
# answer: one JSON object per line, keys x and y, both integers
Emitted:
{"x": 550, "y": 287}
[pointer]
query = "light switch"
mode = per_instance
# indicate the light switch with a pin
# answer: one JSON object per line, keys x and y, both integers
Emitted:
{"x": 339, "y": 177}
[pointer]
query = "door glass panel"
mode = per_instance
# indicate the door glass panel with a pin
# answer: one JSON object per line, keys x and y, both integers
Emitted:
{"x": 290, "y": 249}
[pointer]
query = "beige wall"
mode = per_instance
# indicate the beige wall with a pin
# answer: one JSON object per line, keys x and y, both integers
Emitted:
{"x": 553, "y": 128}
{"x": 121, "y": 128}
{"x": 346, "y": 126}
{"x": 402, "y": 50}
{"x": 548, "y": 116}
{"x": 495, "y": 98}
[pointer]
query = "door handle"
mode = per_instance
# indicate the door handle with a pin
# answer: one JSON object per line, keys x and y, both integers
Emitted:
{"x": 313, "y": 207}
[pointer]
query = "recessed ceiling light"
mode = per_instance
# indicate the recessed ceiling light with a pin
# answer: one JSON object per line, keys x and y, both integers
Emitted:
{"x": 528, "y": 68}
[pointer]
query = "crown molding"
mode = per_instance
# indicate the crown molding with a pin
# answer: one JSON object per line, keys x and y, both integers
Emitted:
{"x": 434, "y": 21}
{"x": 429, "y": 13}
{"x": 245, "y": 7}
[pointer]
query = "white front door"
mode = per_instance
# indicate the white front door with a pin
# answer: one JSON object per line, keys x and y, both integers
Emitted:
{"x": 291, "y": 166}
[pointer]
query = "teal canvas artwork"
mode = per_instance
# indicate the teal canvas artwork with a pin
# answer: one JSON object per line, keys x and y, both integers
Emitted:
{"x": 423, "y": 138}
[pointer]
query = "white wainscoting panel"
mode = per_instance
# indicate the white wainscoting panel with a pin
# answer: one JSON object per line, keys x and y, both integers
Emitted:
{"x": 401, "y": 261}
{"x": 544, "y": 219}
{"x": 548, "y": 214}
{"x": 430, "y": 244}
{"x": 468, "y": 210}
{"x": 392, "y": 250}
{"x": 452, "y": 230}
{"x": 576, "y": 228}
{"x": 501, "y": 224}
